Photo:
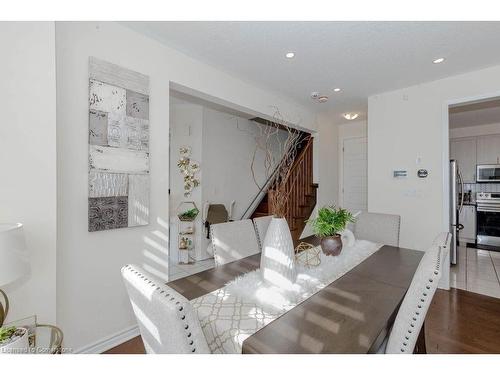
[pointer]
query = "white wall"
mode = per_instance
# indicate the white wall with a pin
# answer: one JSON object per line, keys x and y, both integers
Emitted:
{"x": 353, "y": 129}
{"x": 92, "y": 303}
{"x": 473, "y": 131}
{"x": 412, "y": 123}
{"x": 28, "y": 159}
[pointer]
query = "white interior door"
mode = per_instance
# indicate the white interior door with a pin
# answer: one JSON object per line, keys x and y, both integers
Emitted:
{"x": 355, "y": 174}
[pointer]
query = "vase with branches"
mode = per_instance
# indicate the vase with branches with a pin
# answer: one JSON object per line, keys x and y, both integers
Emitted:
{"x": 279, "y": 144}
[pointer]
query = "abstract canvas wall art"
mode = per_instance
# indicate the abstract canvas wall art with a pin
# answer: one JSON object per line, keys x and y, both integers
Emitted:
{"x": 118, "y": 147}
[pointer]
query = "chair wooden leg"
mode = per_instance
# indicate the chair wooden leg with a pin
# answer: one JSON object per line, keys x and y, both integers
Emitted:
{"x": 420, "y": 344}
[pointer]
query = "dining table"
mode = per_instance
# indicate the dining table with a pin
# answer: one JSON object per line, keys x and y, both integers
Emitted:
{"x": 353, "y": 314}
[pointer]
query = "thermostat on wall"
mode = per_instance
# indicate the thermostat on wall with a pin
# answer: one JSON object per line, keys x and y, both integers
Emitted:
{"x": 400, "y": 174}
{"x": 422, "y": 173}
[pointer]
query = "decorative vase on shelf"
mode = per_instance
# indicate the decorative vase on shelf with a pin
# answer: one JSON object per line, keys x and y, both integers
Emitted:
{"x": 331, "y": 245}
{"x": 277, "y": 262}
{"x": 18, "y": 344}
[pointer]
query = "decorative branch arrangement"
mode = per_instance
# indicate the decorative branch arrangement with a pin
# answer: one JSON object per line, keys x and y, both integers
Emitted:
{"x": 188, "y": 168}
{"x": 279, "y": 156}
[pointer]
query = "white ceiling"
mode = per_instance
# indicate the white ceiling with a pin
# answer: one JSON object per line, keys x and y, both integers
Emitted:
{"x": 473, "y": 114}
{"x": 363, "y": 58}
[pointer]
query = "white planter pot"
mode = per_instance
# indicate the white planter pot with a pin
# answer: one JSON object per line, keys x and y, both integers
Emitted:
{"x": 277, "y": 263}
{"x": 19, "y": 346}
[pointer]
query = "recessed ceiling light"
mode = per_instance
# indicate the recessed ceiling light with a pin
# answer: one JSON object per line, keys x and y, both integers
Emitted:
{"x": 439, "y": 60}
{"x": 337, "y": 89}
{"x": 290, "y": 55}
{"x": 323, "y": 99}
{"x": 351, "y": 116}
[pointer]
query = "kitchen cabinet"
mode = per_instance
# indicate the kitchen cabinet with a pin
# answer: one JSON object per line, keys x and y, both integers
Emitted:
{"x": 488, "y": 149}
{"x": 468, "y": 219}
{"x": 464, "y": 151}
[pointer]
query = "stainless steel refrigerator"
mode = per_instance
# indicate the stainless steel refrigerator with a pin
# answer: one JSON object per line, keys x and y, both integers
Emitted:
{"x": 456, "y": 205}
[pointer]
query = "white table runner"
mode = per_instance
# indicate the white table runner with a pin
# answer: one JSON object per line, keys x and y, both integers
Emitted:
{"x": 231, "y": 314}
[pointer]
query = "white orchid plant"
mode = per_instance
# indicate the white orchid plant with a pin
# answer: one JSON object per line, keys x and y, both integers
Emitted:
{"x": 188, "y": 169}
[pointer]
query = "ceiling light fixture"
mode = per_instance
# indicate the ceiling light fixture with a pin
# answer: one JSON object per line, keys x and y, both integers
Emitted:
{"x": 290, "y": 55}
{"x": 439, "y": 60}
{"x": 351, "y": 116}
{"x": 337, "y": 89}
{"x": 323, "y": 99}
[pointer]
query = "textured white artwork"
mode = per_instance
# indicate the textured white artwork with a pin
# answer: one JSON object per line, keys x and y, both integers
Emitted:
{"x": 102, "y": 184}
{"x": 138, "y": 199}
{"x": 115, "y": 75}
{"x": 137, "y": 105}
{"x": 119, "y": 160}
{"x": 128, "y": 132}
{"x": 98, "y": 128}
{"x": 107, "y": 98}
{"x": 118, "y": 147}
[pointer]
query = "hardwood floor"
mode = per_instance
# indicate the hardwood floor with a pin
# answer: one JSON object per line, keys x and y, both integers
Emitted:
{"x": 457, "y": 322}
{"x": 134, "y": 346}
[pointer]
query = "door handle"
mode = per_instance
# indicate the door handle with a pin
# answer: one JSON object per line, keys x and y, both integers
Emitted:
{"x": 460, "y": 226}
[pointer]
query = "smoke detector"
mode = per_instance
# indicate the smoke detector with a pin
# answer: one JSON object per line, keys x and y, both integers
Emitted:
{"x": 315, "y": 95}
{"x": 322, "y": 99}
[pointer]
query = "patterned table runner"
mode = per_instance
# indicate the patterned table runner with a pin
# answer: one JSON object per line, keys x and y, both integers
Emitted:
{"x": 231, "y": 314}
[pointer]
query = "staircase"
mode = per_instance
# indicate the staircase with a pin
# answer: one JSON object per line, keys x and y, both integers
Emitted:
{"x": 302, "y": 191}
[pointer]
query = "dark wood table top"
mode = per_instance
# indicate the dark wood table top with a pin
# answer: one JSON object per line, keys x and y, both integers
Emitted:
{"x": 351, "y": 315}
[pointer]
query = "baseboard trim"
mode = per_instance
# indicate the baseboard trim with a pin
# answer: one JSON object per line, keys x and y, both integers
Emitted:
{"x": 110, "y": 341}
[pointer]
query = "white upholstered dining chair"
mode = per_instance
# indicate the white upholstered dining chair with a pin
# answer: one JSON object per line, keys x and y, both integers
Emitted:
{"x": 233, "y": 240}
{"x": 167, "y": 321}
{"x": 409, "y": 323}
{"x": 444, "y": 240}
{"x": 379, "y": 228}
{"x": 261, "y": 224}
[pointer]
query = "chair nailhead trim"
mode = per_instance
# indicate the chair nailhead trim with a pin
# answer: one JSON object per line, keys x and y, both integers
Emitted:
{"x": 181, "y": 308}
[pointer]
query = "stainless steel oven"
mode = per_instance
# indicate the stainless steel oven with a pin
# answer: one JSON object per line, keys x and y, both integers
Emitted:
{"x": 488, "y": 173}
{"x": 488, "y": 218}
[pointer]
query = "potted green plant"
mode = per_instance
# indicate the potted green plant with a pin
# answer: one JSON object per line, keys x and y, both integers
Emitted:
{"x": 13, "y": 340}
{"x": 189, "y": 215}
{"x": 328, "y": 225}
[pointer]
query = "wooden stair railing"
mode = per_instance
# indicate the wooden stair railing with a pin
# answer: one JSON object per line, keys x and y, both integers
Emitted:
{"x": 301, "y": 192}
